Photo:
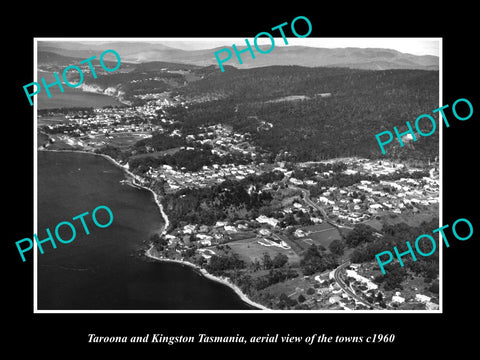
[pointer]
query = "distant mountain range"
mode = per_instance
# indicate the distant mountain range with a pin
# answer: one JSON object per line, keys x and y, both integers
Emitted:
{"x": 142, "y": 52}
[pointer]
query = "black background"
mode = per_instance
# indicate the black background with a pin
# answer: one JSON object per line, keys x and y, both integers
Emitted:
{"x": 60, "y": 335}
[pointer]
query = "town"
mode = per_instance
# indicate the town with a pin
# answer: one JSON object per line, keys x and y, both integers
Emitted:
{"x": 305, "y": 204}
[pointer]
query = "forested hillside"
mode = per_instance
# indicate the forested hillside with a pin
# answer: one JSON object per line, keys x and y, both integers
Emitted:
{"x": 341, "y": 111}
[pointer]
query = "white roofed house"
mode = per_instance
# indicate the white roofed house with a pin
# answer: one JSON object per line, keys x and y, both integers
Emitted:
{"x": 422, "y": 298}
{"x": 296, "y": 181}
{"x": 205, "y": 240}
{"x": 373, "y": 208}
{"x": 299, "y": 233}
{"x": 189, "y": 229}
{"x": 264, "y": 232}
{"x": 266, "y": 220}
{"x": 230, "y": 228}
{"x": 323, "y": 199}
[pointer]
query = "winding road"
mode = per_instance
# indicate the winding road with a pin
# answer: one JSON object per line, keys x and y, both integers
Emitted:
{"x": 347, "y": 290}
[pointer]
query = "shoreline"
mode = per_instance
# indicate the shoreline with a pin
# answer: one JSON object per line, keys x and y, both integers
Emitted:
{"x": 132, "y": 183}
{"x": 203, "y": 272}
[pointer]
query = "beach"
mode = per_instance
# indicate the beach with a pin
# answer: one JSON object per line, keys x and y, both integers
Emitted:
{"x": 225, "y": 281}
{"x": 150, "y": 251}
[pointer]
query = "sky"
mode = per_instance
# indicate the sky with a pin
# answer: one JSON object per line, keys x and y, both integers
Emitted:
{"x": 415, "y": 46}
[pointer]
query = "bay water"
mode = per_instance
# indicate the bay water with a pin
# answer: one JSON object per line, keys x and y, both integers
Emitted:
{"x": 106, "y": 270}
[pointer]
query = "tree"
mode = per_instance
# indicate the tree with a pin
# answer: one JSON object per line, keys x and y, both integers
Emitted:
{"x": 289, "y": 219}
{"x": 337, "y": 247}
{"x": 313, "y": 261}
{"x": 301, "y": 298}
{"x": 393, "y": 277}
{"x": 361, "y": 233}
{"x": 279, "y": 260}
{"x": 267, "y": 261}
{"x": 286, "y": 302}
{"x": 434, "y": 287}
{"x": 218, "y": 264}
{"x": 256, "y": 265}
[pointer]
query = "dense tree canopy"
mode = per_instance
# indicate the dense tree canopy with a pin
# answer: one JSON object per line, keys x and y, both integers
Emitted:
{"x": 362, "y": 103}
{"x": 314, "y": 261}
{"x": 361, "y": 233}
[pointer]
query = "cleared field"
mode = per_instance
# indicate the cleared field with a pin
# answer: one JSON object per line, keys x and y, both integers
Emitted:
{"x": 243, "y": 235}
{"x": 120, "y": 140}
{"x": 157, "y": 154}
{"x": 60, "y": 145}
{"x": 124, "y": 140}
{"x": 53, "y": 120}
{"x": 292, "y": 288}
{"x": 322, "y": 234}
{"x": 249, "y": 250}
{"x": 411, "y": 219}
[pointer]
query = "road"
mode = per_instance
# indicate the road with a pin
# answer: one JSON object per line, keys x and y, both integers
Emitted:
{"x": 306, "y": 197}
{"x": 337, "y": 271}
{"x": 338, "y": 279}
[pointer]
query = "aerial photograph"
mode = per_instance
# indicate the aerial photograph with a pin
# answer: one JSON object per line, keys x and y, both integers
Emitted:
{"x": 236, "y": 183}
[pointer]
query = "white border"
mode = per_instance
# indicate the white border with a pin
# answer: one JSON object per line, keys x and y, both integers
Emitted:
{"x": 35, "y": 202}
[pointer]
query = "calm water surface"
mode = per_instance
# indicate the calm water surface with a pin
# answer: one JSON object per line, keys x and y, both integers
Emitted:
{"x": 103, "y": 270}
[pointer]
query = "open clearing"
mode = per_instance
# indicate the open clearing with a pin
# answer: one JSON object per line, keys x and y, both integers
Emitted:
{"x": 322, "y": 234}
{"x": 249, "y": 250}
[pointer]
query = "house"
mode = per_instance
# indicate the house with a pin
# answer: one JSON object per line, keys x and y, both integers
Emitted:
{"x": 299, "y": 233}
{"x": 296, "y": 181}
{"x": 205, "y": 242}
{"x": 266, "y": 220}
{"x": 398, "y": 299}
{"x": 203, "y": 229}
{"x": 422, "y": 298}
{"x": 189, "y": 229}
{"x": 333, "y": 299}
{"x": 356, "y": 276}
{"x": 264, "y": 232}
{"x": 242, "y": 227}
{"x": 221, "y": 223}
{"x": 230, "y": 228}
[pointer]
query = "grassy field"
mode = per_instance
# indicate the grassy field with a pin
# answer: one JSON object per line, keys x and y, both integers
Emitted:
{"x": 249, "y": 250}
{"x": 53, "y": 120}
{"x": 60, "y": 145}
{"x": 124, "y": 140}
{"x": 243, "y": 235}
{"x": 410, "y": 219}
{"x": 293, "y": 287}
{"x": 157, "y": 154}
{"x": 322, "y": 234}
